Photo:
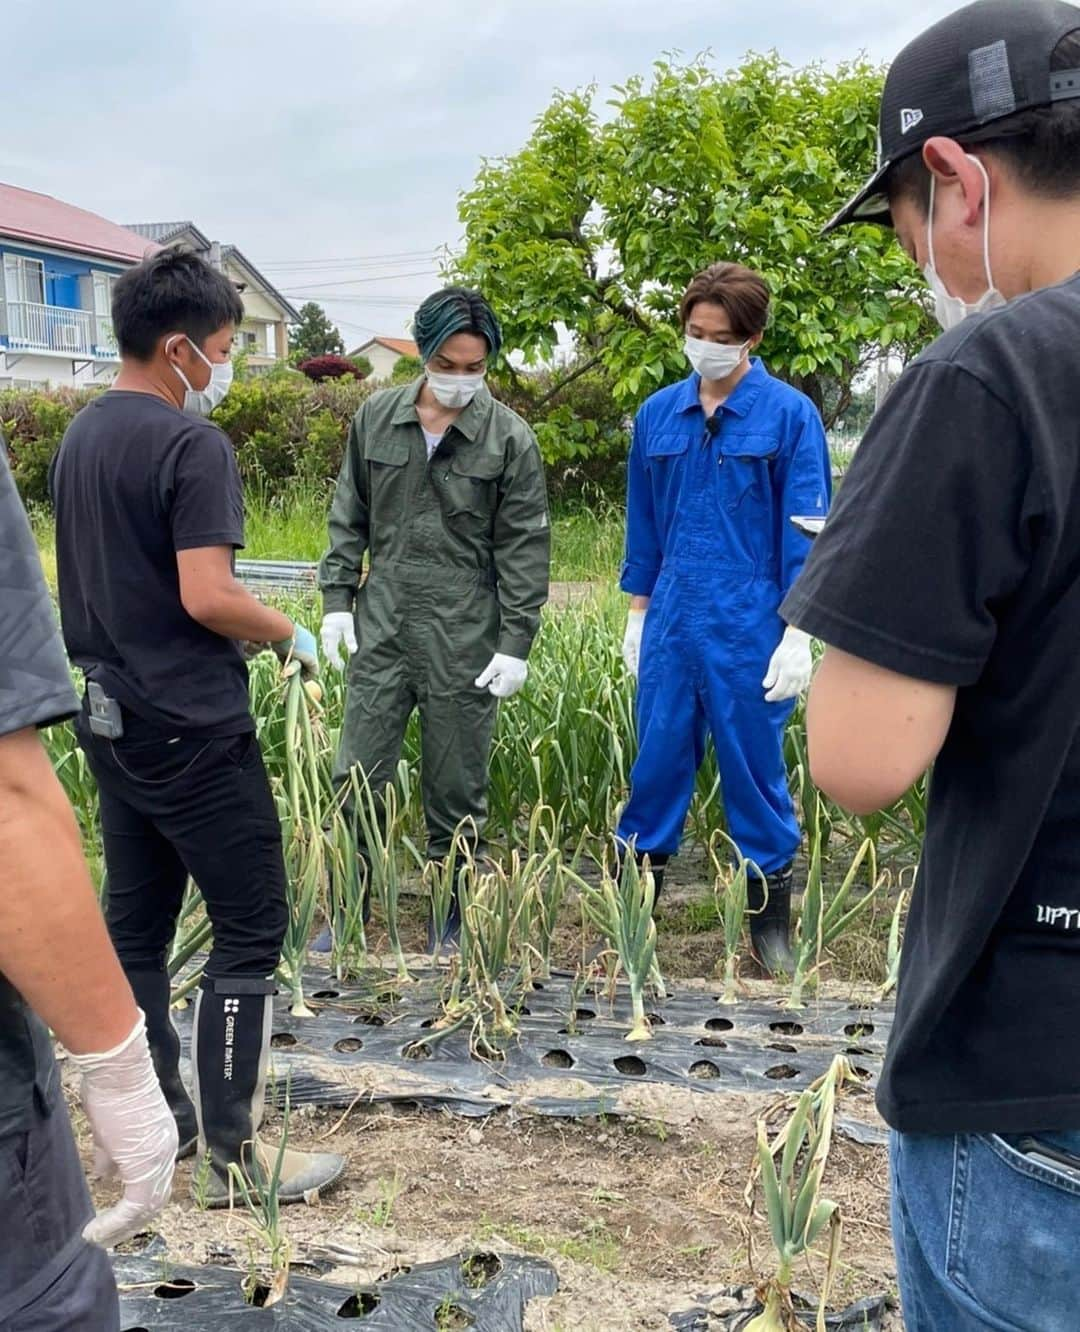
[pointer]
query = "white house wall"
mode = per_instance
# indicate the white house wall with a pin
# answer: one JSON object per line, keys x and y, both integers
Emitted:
{"x": 25, "y": 370}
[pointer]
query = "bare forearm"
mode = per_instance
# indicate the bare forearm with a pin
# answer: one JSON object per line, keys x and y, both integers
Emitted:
{"x": 54, "y": 947}
{"x": 233, "y": 612}
{"x": 639, "y": 603}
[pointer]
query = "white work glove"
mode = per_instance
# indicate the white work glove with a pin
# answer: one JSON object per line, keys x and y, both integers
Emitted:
{"x": 134, "y": 1134}
{"x": 338, "y": 631}
{"x": 631, "y": 643}
{"x": 503, "y": 676}
{"x": 790, "y": 667}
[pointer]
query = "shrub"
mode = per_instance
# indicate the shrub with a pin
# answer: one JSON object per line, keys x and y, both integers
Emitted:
{"x": 330, "y": 367}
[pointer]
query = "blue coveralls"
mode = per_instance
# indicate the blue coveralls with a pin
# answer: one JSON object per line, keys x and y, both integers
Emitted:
{"x": 709, "y": 541}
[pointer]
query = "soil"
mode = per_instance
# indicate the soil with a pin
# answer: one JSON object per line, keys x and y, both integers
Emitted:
{"x": 642, "y": 1212}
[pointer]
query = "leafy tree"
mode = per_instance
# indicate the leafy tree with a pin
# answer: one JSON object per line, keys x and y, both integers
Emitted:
{"x": 598, "y": 223}
{"x": 406, "y": 368}
{"x": 363, "y": 365}
{"x": 314, "y": 335}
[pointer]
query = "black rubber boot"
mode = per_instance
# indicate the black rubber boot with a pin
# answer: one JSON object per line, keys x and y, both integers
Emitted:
{"x": 151, "y": 990}
{"x": 770, "y": 921}
{"x": 229, "y": 1054}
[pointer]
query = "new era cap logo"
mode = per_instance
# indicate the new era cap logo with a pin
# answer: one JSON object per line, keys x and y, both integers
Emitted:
{"x": 909, "y": 118}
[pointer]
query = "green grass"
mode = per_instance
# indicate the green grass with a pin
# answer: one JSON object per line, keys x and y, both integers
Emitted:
{"x": 586, "y": 541}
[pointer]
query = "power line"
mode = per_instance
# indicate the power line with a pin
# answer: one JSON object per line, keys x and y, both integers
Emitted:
{"x": 379, "y": 277}
{"x": 395, "y": 256}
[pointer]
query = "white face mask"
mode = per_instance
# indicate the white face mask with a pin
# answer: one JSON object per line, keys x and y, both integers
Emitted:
{"x": 713, "y": 360}
{"x": 201, "y": 402}
{"x": 951, "y": 310}
{"x": 454, "y": 390}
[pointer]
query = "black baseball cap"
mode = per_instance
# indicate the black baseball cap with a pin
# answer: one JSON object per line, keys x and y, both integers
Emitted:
{"x": 987, "y": 61}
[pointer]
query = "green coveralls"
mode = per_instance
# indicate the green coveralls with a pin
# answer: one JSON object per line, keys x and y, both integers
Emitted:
{"x": 459, "y": 557}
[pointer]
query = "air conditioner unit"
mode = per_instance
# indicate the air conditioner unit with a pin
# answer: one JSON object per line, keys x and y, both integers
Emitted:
{"x": 69, "y": 336}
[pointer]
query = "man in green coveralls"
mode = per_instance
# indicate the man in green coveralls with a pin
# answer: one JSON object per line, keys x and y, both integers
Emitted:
{"x": 442, "y": 488}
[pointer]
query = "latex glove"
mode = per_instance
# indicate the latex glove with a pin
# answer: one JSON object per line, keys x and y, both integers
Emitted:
{"x": 300, "y": 647}
{"x": 631, "y": 643}
{"x": 503, "y": 676}
{"x": 338, "y": 631}
{"x": 134, "y": 1134}
{"x": 790, "y": 667}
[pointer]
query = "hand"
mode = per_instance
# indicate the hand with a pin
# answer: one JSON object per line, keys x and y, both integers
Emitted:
{"x": 338, "y": 631}
{"x": 300, "y": 647}
{"x": 790, "y": 667}
{"x": 631, "y": 644}
{"x": 134, "y": 1134}
{"x": 503, "y": 676}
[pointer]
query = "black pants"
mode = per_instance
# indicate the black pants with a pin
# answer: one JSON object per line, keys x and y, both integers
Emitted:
{"x": 51, "y": 1280}
{"x": 173, "y": 807}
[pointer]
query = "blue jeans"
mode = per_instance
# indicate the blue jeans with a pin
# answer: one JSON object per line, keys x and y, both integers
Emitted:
{"x": 984, "y": 1237}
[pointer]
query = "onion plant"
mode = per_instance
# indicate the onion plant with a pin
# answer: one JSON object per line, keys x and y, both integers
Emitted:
{"x": 379, "y": 819}
{"x": 892, "y": 962}
{"x": 621, "y": 908}
{"x": 797, "y": 1213}
{"x": 260, "y": 1192}
{"x": 822, "y": 922}
{"x": 730, "y": 892}
{"x": 301, "y": 807}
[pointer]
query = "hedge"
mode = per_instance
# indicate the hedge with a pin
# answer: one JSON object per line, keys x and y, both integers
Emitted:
{"x": 287, "y": 429}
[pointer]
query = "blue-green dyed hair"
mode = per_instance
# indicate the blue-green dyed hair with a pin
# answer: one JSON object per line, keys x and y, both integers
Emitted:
{"x": 454, "y": 310}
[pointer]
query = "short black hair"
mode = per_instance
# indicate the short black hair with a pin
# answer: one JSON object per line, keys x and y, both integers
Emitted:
{"x": 1040, "y": 147}
{"x": 173, "y": 291}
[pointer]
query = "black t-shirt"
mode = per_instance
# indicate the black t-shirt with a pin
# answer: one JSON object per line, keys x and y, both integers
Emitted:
{"x": 35, "y": 690}
{"x": 953, "y": 556}
{"x": 135, "y": 481}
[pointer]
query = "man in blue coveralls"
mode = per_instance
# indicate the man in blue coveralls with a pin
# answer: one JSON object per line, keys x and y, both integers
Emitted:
{"x": 719, "y": 464}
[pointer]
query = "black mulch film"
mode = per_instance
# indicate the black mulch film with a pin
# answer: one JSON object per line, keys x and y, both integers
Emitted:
{"x": 484, "y": 1292}
{"x": 865, "y": 1316}
{"x": 565, "y": 1036}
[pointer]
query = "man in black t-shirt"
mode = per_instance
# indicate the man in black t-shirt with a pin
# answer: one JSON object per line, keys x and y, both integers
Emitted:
{"x": 149, "y": 514}
{"x": 946, "y": 585}
{"x": 56, "y": 964}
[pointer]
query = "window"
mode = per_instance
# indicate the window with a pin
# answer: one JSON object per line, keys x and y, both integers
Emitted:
{"x": 24, "y": 279}
{"x": 102, "y": 284}
{"x": 271, "y": 340}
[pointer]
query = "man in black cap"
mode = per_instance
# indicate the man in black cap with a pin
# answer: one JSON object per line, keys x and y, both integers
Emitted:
{"x": 946, "y": 585}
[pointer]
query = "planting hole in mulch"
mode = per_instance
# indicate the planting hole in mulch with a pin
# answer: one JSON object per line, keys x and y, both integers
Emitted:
{"x": 174, "y": 1290}
{"x": 782, "y": 1046}
{"x": 655, "y": 1020}
{"x": 399, "y": 1269}
{"x": 452, "y": 1317}
{"x": 857, "y": 1029}
{"x": 359, "y": 1305}
{"x": 281, "y": 1040}
{"x": 787, "y": 1028}
{"x": 558, "y": 1059}
{"x": 705, "y": 1069}
{"x": 260, "y": 1293}
{"x": 584, "y": 1014}
{"x": 370, "y": 1020}
{"x": 327, "y": 994}
{"x": 349, "y": 1045}
{"x": 781, "y": 1071}
{"x": 416, "y": 1050}
{"x": 631, "y": 1065}
{"x": 479, "y": 1269}
{"x": 719, "y": 1024}
{"x": 713, "y": 1041}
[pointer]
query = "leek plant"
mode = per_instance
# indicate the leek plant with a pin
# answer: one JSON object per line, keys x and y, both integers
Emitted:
{"x": 821, "y": 922}
{"x": 796, "y": 1211}
{"x": 193, "y": 934}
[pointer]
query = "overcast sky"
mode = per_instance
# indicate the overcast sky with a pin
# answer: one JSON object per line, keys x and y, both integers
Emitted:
{"x": 310, "y": 131}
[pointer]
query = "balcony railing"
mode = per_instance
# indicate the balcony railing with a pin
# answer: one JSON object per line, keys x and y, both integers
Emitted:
{"x": 33, "y": 327}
